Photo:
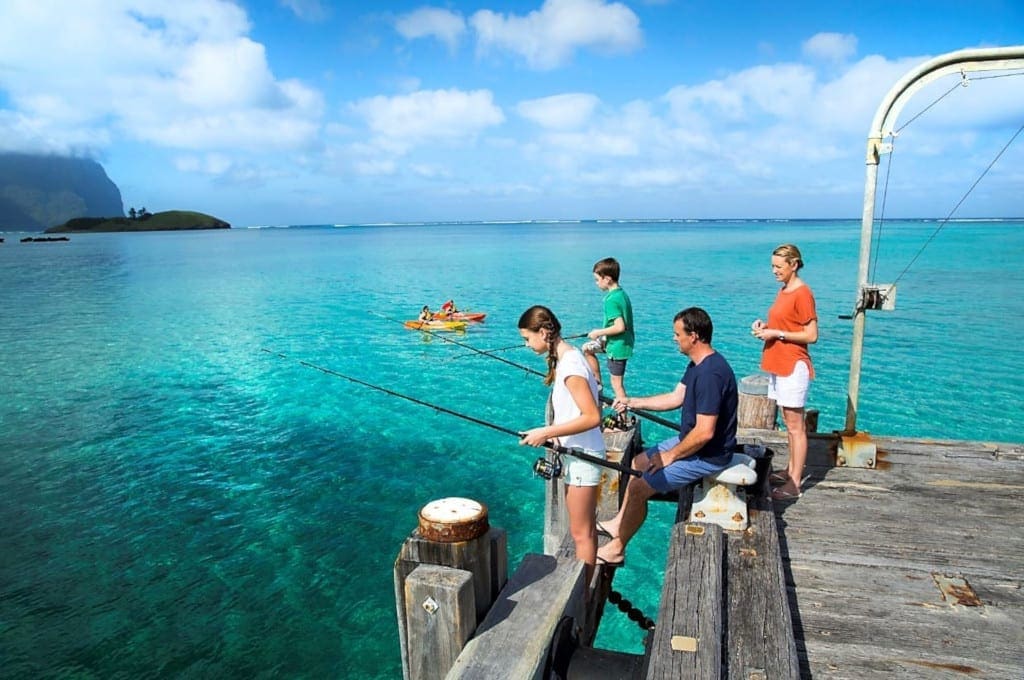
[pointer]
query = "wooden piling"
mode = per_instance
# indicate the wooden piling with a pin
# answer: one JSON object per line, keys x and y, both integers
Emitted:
{"x": 477, "y": 555}
{"x": 440, "y": 613}
{"x": 756, "y": 409}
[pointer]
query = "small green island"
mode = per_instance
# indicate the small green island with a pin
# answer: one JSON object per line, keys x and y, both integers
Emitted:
{"x": 169, "y": 220}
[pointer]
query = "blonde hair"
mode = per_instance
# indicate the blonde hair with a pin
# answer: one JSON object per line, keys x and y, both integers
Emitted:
{"x": 791, "y": 254}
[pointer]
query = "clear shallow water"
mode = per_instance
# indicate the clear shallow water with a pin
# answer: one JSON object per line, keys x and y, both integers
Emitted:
{"x": 179, "y": 502}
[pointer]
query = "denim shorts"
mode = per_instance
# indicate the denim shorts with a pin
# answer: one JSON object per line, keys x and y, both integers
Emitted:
{"x": 579, "y": 472}
{"x": 678, "y": 474}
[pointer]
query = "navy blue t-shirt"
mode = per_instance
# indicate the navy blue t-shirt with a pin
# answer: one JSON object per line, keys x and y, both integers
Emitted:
{"x": 711, "y": 390}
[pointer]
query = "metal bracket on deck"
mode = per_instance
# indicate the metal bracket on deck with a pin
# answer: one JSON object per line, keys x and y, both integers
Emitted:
{"x": 718, "y": 501}
{"x": 857, "y": 451}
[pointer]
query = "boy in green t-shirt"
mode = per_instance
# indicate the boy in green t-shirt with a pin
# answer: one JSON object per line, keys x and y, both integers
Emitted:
{"x": 615, "y": 338}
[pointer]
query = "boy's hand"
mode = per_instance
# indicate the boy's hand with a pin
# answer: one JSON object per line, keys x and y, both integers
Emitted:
{"x": 595, "y": 334}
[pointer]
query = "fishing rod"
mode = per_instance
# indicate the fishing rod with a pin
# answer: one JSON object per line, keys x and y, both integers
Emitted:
{"x": 516, "y": 346}
{"x": 607, "y": 400}
{"x": 543, "y": 470}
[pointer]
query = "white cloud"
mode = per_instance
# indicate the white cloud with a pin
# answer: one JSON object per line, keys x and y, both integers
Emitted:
{"x": 446, "y": 26}
{"x": 598, "y": 143}
{"x": 209, "y": 164}
{"x": 307, "y": 10}
{"x": 562, "y": 111}
{"x": 835, "y": 47}
{"x": 193, "y": 78}
{"x": 403, "y": 121}
{"x": 779, "y": 91}
{"x": 548, "y": 37}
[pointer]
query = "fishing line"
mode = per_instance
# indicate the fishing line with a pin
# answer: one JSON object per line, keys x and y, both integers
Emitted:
{"x": 607, "y": 400}
{"x": 515, "y": 346}
{"x": 963, "y": 198}
{"x": 577, "y": 453}
{"x": 963, "y": 82}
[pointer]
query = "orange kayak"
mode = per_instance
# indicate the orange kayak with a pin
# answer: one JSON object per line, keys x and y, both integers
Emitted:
{"x": 445, "y": 326}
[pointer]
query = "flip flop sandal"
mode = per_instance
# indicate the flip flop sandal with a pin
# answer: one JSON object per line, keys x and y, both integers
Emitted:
{"x": 783, "y": 495}
{"x": 610, "y": 563}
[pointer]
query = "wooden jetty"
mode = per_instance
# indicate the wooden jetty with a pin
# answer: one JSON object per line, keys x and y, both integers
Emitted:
{"x": 912, "y": 569}
{"x": 903, "y": 559}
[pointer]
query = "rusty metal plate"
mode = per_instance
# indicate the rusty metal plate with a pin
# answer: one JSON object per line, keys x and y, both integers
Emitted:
{"x": 956, "y": 591}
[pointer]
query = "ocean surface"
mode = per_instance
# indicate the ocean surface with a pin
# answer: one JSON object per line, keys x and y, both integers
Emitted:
{"x": 178, "y": 502}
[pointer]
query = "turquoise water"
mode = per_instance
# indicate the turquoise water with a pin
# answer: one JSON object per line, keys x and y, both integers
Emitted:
{"x": 178, "y": 502}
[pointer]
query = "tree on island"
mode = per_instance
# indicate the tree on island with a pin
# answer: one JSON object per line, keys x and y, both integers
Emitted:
{"x": 140, "y": 214}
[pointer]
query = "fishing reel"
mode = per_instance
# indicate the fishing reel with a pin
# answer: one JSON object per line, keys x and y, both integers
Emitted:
{"x": 548, "y": 469}
{"x": 618, "y": 422}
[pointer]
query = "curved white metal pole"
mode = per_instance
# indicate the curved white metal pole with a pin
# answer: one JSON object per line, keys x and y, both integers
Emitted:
{"x": 961, "y": 61}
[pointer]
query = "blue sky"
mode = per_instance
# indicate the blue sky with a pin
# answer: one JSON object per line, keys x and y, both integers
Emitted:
{"x": 312, "y": 112}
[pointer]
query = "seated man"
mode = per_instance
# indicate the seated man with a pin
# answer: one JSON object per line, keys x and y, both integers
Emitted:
{"x": 707, "y": 431}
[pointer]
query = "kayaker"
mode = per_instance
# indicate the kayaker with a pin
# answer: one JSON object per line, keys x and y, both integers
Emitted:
{"x": 425, "y": 314}
{"x": 448, "y": 309}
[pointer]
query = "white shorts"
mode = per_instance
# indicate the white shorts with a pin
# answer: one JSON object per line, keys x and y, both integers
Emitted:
{"x": 790, "y": 390}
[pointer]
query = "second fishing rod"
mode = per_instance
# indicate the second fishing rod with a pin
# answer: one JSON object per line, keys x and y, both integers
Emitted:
{"x": 606, "y": 400}
{"x": 543, "y": 467}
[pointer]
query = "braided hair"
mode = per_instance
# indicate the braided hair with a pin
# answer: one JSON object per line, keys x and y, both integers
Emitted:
{"x": 539, "y": 318}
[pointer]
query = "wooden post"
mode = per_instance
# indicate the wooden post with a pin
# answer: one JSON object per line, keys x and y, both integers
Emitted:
{"x": 811, "y": 419}
{"x": 556, "y": 515}
{"x": 440, "y": 611}
{"x": 454, "y": 533}
{"x": 756, "y": 409}
{"x": 620, "y": 447}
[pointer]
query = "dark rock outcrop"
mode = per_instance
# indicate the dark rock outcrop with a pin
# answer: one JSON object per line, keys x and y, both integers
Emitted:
{"x": 37, "y": 192}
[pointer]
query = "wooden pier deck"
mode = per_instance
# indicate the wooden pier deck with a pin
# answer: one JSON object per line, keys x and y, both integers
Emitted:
{"x": 910, "y": 570}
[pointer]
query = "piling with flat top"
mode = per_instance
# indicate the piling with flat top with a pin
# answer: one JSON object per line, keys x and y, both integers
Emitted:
{"x": 448, "y": 573}
{"x": 756, "y": 409}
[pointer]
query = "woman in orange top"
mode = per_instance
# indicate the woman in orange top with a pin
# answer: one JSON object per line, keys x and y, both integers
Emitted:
{"x": 792, "y": 325}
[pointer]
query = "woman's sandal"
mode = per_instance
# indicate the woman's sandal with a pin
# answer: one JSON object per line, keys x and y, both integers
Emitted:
{"x": 778, "y": 477}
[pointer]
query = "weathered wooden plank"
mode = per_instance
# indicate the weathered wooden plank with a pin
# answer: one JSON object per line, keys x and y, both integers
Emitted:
{"x": 440, "y": 612}
{"x": 513, "y": 639}
{"x": 861, "y": 548}
{"x": 759, "y": 633}
{"x": 822, "y": 582}
{"x": 857, "y": 662}
{"x": 687, "y": 642}
{"x": 900, "y": 611}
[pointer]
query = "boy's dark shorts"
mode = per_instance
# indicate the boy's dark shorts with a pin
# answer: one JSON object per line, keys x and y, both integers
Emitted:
{"x": 617, "y": 367}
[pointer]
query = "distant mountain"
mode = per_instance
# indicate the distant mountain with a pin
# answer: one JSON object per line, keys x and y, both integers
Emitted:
{"x": 37, "y": 192}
